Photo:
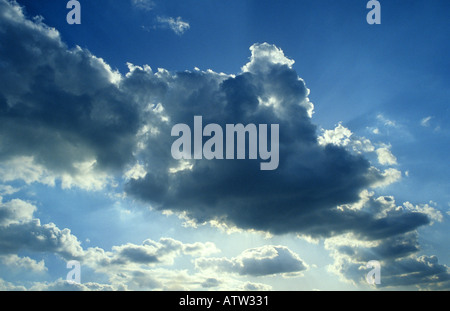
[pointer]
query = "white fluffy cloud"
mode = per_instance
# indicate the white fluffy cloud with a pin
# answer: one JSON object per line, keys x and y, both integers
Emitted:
{"x": 15, "y": 262}
{"x": 262, "y": 261}
{"x": 385, "y": 156}
{"x": 149, "y": 253}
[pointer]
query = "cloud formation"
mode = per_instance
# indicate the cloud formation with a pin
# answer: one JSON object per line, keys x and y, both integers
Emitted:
{"x": 177, "y": 25}
{"x": 21, "y": 231}
{"x": 146, "y": 266}
{"x": 395, "y": 247}
{"x": 149, "y": 253}
{"x": 262, "y": 261}
{"x": 59, "y": 108}
{"x": 146, "y": 5}
{"x": 66, "y": 116}
{"x": 87, "y": 125}
{"x": 315, "y": 175}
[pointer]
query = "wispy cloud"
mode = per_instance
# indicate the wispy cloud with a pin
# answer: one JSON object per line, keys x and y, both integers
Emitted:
{"x": 146, "y": 5}
{"x": 387, "y": 122}
{"x": 425, "y": 122}
{"x": 177, "y": 25}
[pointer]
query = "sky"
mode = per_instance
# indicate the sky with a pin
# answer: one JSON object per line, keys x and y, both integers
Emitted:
{"x": 86, "y": 170}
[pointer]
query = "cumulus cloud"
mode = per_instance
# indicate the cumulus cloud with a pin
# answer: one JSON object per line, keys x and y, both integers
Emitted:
{"x": 312, "y": 178}
{"x": 148, "y": 253}
{"x": 385, "y": 156}
{"x": 340, "y": 136}
{"x": 15, "y": 211}
{"x": 265, "y": 260}
{"x": 400, "y": 265}
{"x": 395, "y": 247}
{"x": 25, "y": 169}
{"x": 127, "y": 267}
{"x": 8, "y": 286}
{"x": 66, "y": 115}
{"x": 15, "y": 262}
{"x": 60, "y": 109}
{"x": 179, "y": 280}
{"x": 149, "y": 266}
{"x": 80, "y": 126}
{"x": 21, "y": 231}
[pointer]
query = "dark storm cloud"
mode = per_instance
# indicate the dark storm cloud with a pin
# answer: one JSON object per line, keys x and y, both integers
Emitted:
{"x": 300, "y": 196}
{"x": 59, "y": 106}
{"x": 65, "y": 107}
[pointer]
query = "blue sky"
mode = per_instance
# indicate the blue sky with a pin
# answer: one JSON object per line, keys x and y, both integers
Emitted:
{"x": 85, "y": 166}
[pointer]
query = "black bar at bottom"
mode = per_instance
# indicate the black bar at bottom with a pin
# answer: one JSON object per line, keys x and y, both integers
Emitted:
{"x": 223, "y": 300}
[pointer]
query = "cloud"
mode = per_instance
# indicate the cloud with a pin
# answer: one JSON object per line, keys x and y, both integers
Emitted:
{"x": 427, "y": 209}
{"x": 24, "y": 168}
{"x": 249, "y": 286}
{"x": 385, "y": 121}
{"x": 425, "y": 122}
{"x": 238, "y": 191}
{"x": 265, "y": 260}
{"x": 86, "y": 125}
{"x": 61, "y": 115}
{"x": 22, "y": 263}
{"x": 66, "y": 115}
{"x": 20, "y": 231}
{"x": 146, "y": 5}
{"x": 177, "y": 25}
{"x": 396, "y": 247}
{"x": 127, "y": 267}
{"x": 15, "y": 211}
{"x": 149, "y": 266}
{"x": 178, "y": 280}
{"x": 62, "y": 285}
{"x": 400, "y": 265}
{"x": 316, "y": 173}
{"x": 149, "y": 253}
{"x": 385, "y": 156}
{"x": 7, "y": 190}
{"x": 340, "y": 136}
{"x": 7, "y": 286}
